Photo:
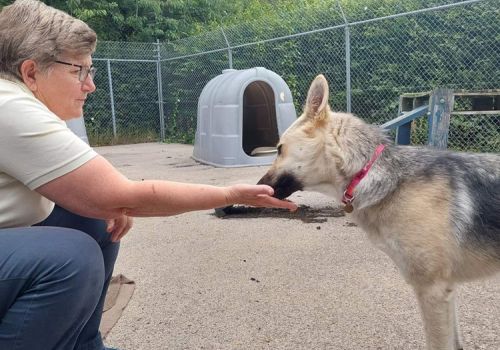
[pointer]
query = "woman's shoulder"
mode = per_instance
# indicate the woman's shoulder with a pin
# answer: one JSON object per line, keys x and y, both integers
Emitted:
{"x": 19, "y": 103}
{"x": 14, "y": 93}
{"x": 13, "y": 87}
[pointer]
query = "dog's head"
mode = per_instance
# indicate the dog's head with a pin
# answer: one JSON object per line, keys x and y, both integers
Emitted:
{"x": 320, "y": 150}
{"x": 301, "y": 163}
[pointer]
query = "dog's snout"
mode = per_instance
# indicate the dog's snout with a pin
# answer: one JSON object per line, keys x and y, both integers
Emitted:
{"x": 283, "y": 185}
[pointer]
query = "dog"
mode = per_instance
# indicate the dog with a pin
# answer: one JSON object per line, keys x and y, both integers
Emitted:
{"x": 435, "y": 213}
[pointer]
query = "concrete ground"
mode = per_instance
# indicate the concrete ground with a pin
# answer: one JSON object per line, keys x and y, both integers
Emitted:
{"x": 204, "y": 282}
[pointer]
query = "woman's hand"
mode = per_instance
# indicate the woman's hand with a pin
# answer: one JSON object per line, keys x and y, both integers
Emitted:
{"x": 118, "y": 227}
{"x": 256, "y": 196}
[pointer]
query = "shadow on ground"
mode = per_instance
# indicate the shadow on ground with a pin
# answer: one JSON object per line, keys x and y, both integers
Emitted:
{"x": 304, "y": 213}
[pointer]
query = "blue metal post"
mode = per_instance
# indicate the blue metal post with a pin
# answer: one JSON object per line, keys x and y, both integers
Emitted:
{"x": 403, "y": 134}
{"x": 402, "y": 124}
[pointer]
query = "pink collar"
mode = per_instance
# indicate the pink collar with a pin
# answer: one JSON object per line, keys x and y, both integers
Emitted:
{"x": 348, "y": 196}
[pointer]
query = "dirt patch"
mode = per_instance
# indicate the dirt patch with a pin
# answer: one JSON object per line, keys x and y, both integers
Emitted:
{"x": 304, "y": 213}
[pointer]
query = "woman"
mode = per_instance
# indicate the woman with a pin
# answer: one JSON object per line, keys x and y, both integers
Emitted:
{"x": 56, "y": 259}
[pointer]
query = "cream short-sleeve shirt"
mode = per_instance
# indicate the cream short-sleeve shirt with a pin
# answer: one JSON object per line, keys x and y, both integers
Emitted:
{"x": 35, "y": 148}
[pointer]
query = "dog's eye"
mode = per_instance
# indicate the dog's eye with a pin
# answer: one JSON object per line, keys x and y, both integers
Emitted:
{"x": 279, "y": 149}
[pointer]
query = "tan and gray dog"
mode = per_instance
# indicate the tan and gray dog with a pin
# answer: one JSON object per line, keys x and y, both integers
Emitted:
{"x": 435, "y": 213}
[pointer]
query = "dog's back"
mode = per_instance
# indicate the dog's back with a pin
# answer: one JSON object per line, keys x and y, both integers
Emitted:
{"x": 474, "y": 183}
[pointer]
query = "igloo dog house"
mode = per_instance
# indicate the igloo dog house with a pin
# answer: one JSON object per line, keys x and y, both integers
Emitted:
{"x": 241, "y": 116}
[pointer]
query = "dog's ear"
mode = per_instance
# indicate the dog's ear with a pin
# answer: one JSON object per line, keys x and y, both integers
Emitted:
{"x": 317, "y": 98}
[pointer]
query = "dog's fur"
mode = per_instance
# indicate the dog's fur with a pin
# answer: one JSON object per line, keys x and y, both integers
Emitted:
{"x": 435, "y": 213}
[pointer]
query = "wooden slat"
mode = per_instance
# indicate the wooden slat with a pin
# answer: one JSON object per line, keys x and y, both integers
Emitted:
{"x": 440, "y": 108}
{"x": 477, "y": 93}
{"x": 476, "y": 112}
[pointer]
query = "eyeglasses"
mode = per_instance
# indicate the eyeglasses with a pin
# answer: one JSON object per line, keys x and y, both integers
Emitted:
{"x": 84, "y": 70}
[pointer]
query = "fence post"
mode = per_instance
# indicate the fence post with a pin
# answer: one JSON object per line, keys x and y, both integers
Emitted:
{"x": 160, "y": 91}
{"x": 440, "y": 108}
{"x": 229, "y": 51}
{"x": 347, "y": 32}
{"x": 348, "y": 67}
{"x": 111, "y": 97}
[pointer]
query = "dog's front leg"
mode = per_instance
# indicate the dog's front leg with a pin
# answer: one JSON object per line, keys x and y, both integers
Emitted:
{"x": 456, "y": 330}
{"x": 437, "y": 303}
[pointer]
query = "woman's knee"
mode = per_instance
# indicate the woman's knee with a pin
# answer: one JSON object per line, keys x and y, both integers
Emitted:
{"x": 58, "y": 275}
{"x": 54, "y": 258}
{"x": 74, "y": 256}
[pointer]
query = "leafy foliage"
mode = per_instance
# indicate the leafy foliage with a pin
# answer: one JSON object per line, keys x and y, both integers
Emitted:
{"x": 456, "y": 48}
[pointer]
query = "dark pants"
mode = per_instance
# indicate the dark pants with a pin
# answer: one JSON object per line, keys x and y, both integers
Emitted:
{"x": 53, "y": 281}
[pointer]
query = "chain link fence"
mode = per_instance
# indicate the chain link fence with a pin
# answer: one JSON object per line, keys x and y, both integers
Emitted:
{"x": 370, "y": 54}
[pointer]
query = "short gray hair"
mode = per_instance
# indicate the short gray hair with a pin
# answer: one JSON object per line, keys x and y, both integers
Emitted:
{"x": 29, "y": 29}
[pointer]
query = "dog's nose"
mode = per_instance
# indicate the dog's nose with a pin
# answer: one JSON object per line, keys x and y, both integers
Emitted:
{"x": 283, "y": 185}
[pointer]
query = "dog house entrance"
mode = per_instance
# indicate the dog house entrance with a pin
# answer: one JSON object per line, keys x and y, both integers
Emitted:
{"x": 260, "y": 129}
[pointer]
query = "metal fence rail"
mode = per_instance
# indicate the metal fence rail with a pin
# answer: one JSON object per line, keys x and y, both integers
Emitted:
{"x": 149, "y": 91}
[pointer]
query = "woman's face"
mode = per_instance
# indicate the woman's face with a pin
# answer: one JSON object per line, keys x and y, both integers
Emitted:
{"x": 63, "y": 89}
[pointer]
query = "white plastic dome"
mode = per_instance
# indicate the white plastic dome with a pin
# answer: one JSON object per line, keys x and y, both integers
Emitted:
{"x": 241, "y": 115}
